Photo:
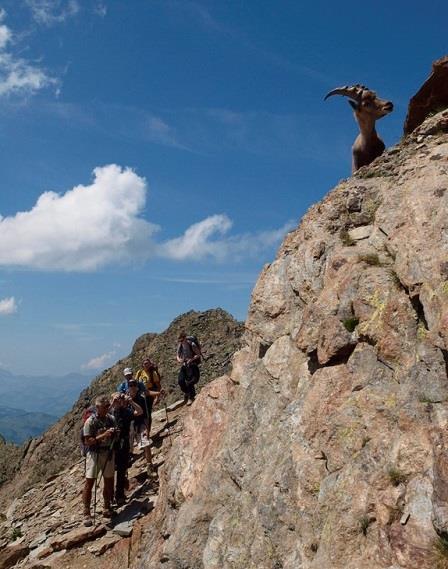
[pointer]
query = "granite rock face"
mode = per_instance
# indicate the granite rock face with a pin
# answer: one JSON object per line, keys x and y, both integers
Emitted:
{"x": 327, "y": 445}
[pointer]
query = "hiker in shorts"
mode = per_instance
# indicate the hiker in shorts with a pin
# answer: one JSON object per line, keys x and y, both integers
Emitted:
{"x": 128, "y": 375}
{"x": 142, "y": 427}
{"x": 99, "y": 433}
{"x": 124, "y": 410}
{"x": 189, "y": 355}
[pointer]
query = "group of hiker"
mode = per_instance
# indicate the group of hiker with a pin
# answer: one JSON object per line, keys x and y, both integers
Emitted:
{"x": 115, "y": 424}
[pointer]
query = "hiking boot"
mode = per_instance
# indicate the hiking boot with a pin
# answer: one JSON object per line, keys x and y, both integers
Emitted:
{"x": 87, "y": 520}
{"x": 151, "y": 471}
{"x": 107, "y": 511}
{"x": 186, "y": 399}
{"x": 120, "y": 502}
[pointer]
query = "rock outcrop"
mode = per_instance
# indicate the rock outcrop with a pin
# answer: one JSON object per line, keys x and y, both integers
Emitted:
{"x": 431, "y": 98}
{"x": 327, "y": 445}
{"x": 47, "y": 455}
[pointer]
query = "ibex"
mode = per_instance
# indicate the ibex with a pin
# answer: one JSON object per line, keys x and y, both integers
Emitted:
{"x": 368, "y": 109}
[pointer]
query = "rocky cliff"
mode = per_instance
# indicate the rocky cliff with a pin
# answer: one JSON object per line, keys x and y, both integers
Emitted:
{"x": 45, "y": 456}
{"x": 327, "y": 445}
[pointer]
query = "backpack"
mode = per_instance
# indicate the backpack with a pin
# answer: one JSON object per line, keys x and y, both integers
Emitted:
{"x": 194, "y": 340}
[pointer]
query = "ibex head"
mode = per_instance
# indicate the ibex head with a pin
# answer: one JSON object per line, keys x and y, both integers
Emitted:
{"x": 368, "y": 109}
{"x": 364, "y": 101}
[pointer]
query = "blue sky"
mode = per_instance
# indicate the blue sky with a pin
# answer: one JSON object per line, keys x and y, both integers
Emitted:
{"x": 153, "y": 153}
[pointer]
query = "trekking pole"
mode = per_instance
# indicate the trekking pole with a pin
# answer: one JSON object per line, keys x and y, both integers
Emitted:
{"x": 95, "y": 486}
{"x": 98, "y": 480}
{"x": 168, "y": 424}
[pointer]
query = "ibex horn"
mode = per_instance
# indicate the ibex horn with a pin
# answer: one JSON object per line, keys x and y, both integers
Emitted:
{"x": 354, "y": 92}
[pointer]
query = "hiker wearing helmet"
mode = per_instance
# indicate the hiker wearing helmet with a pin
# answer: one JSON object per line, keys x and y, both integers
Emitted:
{"x": 189, "y": 355}
{"x": 128, "y": 376}
{"x": 99, "y": 433}
{"x": 124, "y": 410}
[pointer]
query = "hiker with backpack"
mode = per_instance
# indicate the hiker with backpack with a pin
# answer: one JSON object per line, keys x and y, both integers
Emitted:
{"x": 124, "y": 410}
{"x": 189, "y": 355}
{"x": 99, "y": 432}
{"x": 150, "y": 377}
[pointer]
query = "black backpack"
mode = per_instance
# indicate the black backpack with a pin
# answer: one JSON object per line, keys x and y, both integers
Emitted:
{"x": 194, "y": 340}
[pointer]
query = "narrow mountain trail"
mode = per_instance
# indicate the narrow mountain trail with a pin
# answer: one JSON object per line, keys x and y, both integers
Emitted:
{"x": 44, "y": 527}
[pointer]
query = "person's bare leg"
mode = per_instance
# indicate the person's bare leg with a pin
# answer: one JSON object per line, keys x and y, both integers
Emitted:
{"x": 108, "y": 492}
{"x": 148, "y": 455}
{"x": 87, "y": 494}
{"x": 86, "y": 499}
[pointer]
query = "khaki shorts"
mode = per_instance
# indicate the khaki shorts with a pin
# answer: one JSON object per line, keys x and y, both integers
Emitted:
{"x": 100, "y": 464}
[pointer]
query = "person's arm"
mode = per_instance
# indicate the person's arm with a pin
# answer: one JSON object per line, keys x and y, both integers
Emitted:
{"x": 157, "y": 380}
{"x": 106, "y": 435}
{"x": 90, "y": 439}
{"x": 157, "y": 392}
{"x": 153, "y": 393}
{"x": 196, "y": 352}
{"x": 137, "y": 409}
{"x": 179, "y": 354}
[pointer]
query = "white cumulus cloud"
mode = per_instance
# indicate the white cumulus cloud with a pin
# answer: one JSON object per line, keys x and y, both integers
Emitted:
{"x": 83, "y": 229}
{"x": 197, "y": 241}
{"x": 91, "y": 226}
{"x": 8, "y": 306}
{"x": 16, "y": 74}
{"x": 207, "y": 239}
{"x": 99, "y": 362}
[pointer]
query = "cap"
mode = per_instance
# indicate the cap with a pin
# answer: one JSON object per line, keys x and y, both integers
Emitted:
{"x": 127, "y": 371}
{"x": 132, "y": 382}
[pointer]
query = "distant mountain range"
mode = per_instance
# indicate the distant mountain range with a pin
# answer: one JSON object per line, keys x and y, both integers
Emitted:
{"x": 30, "y": 404}
{"x": 54, "y": 395}
{"x": 16, "y": 425}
